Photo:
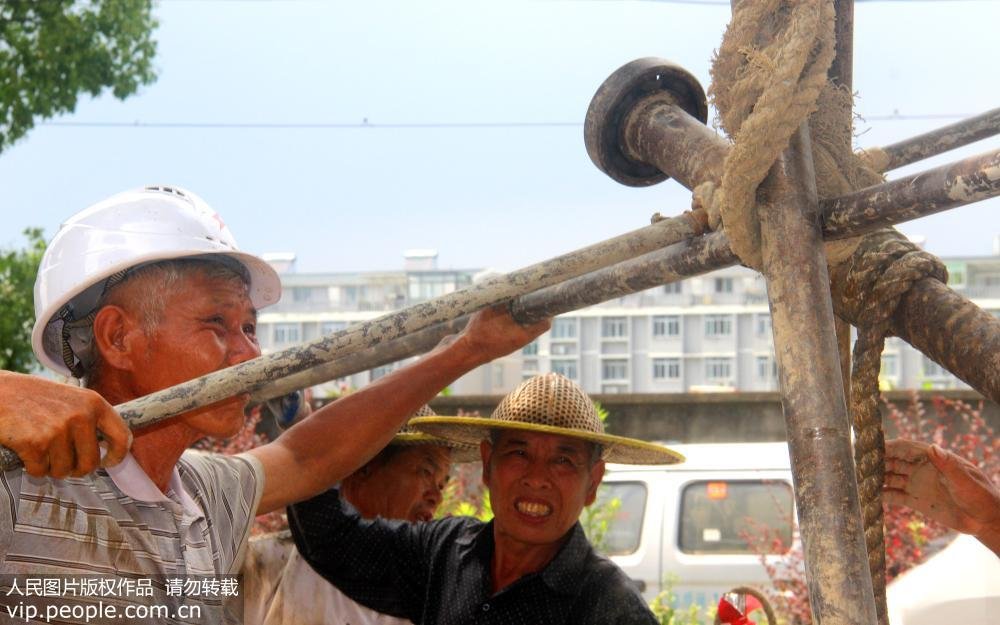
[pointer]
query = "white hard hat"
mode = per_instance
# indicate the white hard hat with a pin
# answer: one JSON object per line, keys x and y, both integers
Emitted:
{"x": 124, "y": 231}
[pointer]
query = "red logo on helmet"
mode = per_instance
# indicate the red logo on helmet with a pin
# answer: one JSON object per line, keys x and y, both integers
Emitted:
{"x": 222, "y": 225}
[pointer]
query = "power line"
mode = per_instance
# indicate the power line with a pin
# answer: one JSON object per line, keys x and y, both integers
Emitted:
{"x": 404, "y": 125}
{"x": 309, "y": 125}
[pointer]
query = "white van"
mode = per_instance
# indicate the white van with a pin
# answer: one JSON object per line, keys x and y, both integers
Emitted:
{"x": 696, "y": 522}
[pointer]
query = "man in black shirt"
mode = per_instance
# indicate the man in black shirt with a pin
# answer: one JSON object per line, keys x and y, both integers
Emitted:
{"x": 543, "y": 452}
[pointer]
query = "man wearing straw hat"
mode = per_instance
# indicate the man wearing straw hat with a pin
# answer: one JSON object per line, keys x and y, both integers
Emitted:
{"x": 142, "y": 291}
{"x": 543, "y": 453}
{"x": 404, "y": 482}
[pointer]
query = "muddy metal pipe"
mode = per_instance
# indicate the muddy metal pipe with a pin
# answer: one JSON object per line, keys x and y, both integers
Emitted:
{"x": 641, "y": 129}
{"x": 638, "y": 134}
{"x": 249, "y": 376}
{"x": 841, "y": 74}
{"x": 898, "y": 201}
{"x": 688, "y": 151}
{"x": 382, "y": 354}
{"x": 948, "y": 186}
{"x": 812, "y": 393}
{"x": 941, "y": 140}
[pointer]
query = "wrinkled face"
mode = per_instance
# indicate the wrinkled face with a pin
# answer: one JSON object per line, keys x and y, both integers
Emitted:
{"x": 407, "y": 486}
{"x": 539, "y": 485}
{"x": 207, "y": 324}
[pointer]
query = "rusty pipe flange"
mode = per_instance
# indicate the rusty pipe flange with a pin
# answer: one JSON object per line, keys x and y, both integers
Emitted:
{"x": 629, "y": 85}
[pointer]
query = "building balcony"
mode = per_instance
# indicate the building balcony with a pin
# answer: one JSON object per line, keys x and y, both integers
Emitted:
{"x": 978, "y": 291}
{"x": 291, "y": 306}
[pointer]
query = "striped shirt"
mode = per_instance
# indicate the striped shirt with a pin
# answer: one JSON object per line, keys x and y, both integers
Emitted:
{"x": 116, "y": 522}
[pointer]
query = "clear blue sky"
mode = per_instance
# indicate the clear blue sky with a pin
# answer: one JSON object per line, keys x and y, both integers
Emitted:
{"x": 502, "y": 197}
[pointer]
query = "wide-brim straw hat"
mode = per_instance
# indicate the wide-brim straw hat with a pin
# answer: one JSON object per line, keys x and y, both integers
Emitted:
{"x": 407, "y": 437}
{"x": 550, "y": 404}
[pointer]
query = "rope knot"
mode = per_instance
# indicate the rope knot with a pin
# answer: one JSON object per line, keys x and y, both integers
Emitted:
{"x": 766, "y": 79}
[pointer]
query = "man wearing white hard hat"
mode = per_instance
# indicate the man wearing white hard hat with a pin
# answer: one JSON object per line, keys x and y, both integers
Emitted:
{"x": 404, "y": 482}
{"x": 543, "y": 452}
{"x": 137, "y": 293}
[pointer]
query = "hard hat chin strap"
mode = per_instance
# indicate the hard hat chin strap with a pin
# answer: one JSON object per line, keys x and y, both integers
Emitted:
{"x": 78, "y": 334}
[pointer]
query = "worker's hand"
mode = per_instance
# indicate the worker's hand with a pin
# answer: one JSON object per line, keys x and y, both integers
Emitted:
{"x": 492, "y": 333}
{"x": 944, "y": 487}
{"x": 53, "y": 426}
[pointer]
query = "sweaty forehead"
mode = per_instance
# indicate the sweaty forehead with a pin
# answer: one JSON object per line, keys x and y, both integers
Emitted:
{"x": 437, "y": 455}
{"x": 563, "y": 443}
{"x": 217, "y": 290}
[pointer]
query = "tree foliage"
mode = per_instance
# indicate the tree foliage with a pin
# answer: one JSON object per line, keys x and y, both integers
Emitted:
{"x": 17, "y": 278}
{"x": 51, "y": 51}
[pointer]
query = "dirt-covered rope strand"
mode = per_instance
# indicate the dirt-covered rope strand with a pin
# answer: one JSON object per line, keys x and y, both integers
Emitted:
{"x": 884, "y": 267}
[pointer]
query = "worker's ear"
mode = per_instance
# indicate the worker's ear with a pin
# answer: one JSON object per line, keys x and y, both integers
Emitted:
{"x": 119, "y": 338}
{"x": 485, "y": 453}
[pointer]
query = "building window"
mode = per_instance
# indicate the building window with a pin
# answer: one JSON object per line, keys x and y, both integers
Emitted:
{"x": 379, "y": 372}
{"x": 718, "y": 369}
{"x": 762, "y": 325}
{"x": 614, "y": 327}
{"x": 562, "y": 349}
{"x": 563, "y": 328}
{"x": 564, "y": 367}
{"x": 718, "y": 325}
{"x": 673, "y": 288}
{"x": 890, "y": 365}
{"x": 424, "y": 286}
{"x": 767, "y": 368}
{"x": 666, "y": 368}
{"x": 529, "y": 365}
{"x": 286, "y": 333}
{"x": 497, "y": 375}
{"x": 666, "y": 325}
{"x": 307, "y": 294}
{"x": 723, "y": 285}
{"x": 933, "y": 369}
{"x": 329, "y": 327}
{"x": 614, "y": 370}
{"x": 531, "y": 349}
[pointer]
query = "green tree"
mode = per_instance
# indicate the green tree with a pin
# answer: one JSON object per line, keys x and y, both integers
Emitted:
{"x": 17, "y": 278}
{"x": 51, "y": 51}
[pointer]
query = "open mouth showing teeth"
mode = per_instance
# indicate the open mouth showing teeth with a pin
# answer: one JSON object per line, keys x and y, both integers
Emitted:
{"x": 533, "y": 509}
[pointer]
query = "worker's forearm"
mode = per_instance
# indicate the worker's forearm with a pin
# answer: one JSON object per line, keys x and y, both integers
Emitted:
{"x": 343, "y": 435}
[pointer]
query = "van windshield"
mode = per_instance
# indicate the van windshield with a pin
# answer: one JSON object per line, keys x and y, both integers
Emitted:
{"x": 746, "y": 516}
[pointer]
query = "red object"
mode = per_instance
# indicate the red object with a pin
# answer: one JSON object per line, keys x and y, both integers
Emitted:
{"x": 728, "y": 613}
{"x": 717, "y": 490}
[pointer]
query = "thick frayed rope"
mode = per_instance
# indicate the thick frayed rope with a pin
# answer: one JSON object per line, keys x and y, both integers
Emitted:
{"x": 884, "y": 267}
{"x": 766, "y": 79}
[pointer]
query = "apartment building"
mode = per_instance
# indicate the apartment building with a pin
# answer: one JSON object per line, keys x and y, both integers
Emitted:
{"x": 710, "y": 333}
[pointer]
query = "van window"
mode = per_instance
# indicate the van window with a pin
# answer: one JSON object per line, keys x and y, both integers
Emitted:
{"x": 618, "y": 511}
{"x": 736, "y": 517}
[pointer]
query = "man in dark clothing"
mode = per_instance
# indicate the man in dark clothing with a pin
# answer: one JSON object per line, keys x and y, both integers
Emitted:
{"x": 543, "y": 454}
